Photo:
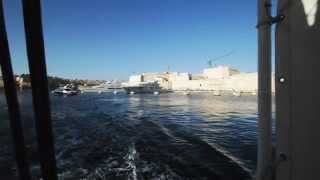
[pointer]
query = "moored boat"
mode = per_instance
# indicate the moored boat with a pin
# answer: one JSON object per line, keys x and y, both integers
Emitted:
{"x": 69, "y": 90}
{"x": 144, "y": 88}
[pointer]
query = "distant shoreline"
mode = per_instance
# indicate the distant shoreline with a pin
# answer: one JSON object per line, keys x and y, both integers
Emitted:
{"x": 23, "y": 81}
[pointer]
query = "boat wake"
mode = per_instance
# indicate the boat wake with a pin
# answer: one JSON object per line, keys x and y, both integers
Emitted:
{"x": 93, "y": 142}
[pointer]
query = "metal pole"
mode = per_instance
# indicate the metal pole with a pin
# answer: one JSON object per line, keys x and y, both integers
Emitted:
{"x": 264, "y": 94}
{"x": 12, "y": 101}
{"x": 39, "y": 83}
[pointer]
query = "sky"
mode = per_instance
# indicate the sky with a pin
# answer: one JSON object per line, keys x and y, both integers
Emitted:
{"x": 111, "y": 39}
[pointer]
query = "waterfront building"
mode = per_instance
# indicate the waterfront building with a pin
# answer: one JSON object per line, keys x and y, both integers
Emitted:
{"x": 222, "y": 79}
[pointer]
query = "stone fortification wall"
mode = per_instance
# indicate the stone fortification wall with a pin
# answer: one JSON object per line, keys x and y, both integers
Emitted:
{"x": 220, "y": 78}
{"x": 219, "y": 72}
{"x": 243, "y": 83}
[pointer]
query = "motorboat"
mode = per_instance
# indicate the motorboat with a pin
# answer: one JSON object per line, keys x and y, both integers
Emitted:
{"x": 69, "y": 90}
{"x": 144, "y": 88}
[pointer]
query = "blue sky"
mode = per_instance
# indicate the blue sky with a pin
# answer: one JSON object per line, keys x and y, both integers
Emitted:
{"x": 111, "y": 39}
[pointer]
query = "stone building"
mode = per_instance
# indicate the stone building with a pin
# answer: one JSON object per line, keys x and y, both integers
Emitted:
{"x": 222, "y": 79}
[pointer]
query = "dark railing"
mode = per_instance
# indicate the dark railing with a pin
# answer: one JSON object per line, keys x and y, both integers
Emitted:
{"x": 12, "y": 101}
{"x": 39, "y": 83}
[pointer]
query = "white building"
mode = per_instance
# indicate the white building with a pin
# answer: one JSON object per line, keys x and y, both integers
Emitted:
{"x": 136, "y": 79}
{"x": 219, "y": 78}
{"x": 219, "y": 72}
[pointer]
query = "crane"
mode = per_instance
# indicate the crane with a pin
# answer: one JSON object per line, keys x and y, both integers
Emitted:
{"x": 210, "y": 62}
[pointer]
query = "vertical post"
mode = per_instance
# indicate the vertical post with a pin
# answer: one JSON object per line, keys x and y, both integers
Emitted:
{"x": 297, "y": 90}
{"x": 39, "y": 83}
{"x": 12, "y": 101}
{"x": 264, "y": 94}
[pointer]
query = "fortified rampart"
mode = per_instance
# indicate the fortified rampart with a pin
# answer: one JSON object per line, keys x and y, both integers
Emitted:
{"x": 221, "y": 79}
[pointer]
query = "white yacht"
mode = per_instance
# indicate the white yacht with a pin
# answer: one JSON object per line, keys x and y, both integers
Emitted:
{"x": 68, "y": 90}
{"x": 144, "y": 88}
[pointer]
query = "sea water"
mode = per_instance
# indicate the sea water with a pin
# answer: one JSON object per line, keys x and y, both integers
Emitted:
{"x": 120, "y": 136}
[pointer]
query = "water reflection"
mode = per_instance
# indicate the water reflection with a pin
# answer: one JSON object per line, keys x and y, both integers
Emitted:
{"x": 226, "y": 123}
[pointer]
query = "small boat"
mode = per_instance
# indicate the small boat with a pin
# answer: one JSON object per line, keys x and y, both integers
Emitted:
{"x": 69, "y": 90}
{"x": 254, "y": 93}
{"x": 216, "y": 93}
{"x": 236, "y": 93}
{"x": 113, "y": 85}
{"x": 144, "y": 88}
{"x": 186, "y": 93}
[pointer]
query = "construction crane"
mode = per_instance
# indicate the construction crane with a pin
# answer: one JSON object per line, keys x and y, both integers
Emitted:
{"x": 210, "y": 62}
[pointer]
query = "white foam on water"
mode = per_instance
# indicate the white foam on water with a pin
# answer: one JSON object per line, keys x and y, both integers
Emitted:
{"x": 130, "y": 157}
{"x": 140, "y": 113}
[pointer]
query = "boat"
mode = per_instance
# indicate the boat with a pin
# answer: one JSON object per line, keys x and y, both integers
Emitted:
{"x": 217, "y": 93}
{"x": 186, "y": 93}
{"x": 236, "y": 93}
{"x": 69, "y": 90}
{"x": 113, "y": 85}
{"x": 144, "y": 88}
